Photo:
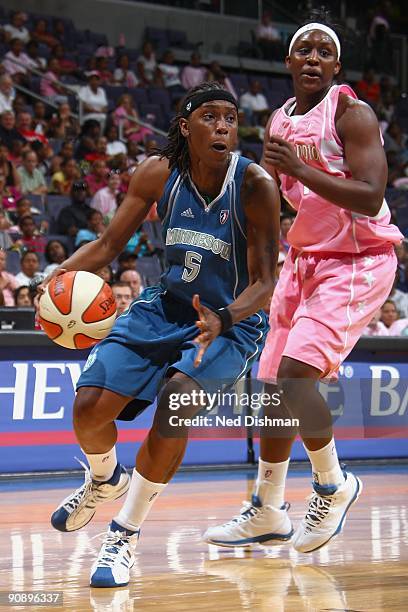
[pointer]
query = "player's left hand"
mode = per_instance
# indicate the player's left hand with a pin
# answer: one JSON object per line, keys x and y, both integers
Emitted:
{"x": 281, "y": 154}
{"x": 209, "y": 325}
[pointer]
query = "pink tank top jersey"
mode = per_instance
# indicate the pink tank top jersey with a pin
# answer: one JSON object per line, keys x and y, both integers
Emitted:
{"x": 319, "y": 224}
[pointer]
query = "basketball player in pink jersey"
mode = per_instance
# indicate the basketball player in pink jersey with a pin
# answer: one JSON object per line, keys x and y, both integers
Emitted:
{"x": 324, "y": 148}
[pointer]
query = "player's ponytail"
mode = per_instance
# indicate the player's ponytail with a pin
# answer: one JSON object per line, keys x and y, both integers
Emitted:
{"x": 176, "y": 151}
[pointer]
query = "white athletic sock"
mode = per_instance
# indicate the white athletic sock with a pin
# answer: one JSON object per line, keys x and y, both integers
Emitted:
{"x": 270, "y": 484}
{"x": 102, "y": 465}
{"x": 139, "y": 499}
{"x": 325, "y": 464}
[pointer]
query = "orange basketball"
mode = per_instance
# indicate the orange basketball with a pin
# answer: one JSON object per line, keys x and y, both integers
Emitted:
{"x": 77, "y": 309}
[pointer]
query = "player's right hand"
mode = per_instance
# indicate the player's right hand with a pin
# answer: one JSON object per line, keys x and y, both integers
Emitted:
{"x": 209, "y": 325}
{"x": 281, "y": 154}
{"x": 40, "y": 286}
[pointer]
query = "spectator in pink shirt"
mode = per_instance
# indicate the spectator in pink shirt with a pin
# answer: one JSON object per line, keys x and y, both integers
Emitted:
{"x": 49, "y": 87}
{"x": 8, "y": 282}
{"x": 13, "y": 60}
{"x": 131, "y": 129}
{"x": 105, "y": 199}
{"x": 97, "y": 179}
{"x": 194, "y": 73}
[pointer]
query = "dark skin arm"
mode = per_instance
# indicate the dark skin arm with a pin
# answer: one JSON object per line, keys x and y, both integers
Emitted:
{"x": 265, "y": 163}
{"x": 261, "y": 200}
{"x": 145, "y": 188}
{"x": 357, "y": 127}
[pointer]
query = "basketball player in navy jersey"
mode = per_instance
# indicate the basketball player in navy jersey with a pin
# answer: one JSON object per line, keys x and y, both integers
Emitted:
{"x": 220, "y": 215}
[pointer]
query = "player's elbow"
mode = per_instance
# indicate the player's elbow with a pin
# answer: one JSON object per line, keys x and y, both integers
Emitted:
{"x": 267, "y": 285}
{"x": 264, "y": 285}
{"x": 374, "y": 204}
{"x": 109, "y": 246}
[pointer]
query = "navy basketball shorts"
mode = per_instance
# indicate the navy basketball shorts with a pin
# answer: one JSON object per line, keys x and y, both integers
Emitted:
{"x": 154, "y": 338}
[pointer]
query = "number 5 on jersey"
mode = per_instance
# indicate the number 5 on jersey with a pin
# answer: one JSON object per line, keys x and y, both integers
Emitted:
{"x": 192, "y": 268}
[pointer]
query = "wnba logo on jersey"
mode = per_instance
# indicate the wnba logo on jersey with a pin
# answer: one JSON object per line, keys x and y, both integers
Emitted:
{"x": 307, "y": 152}
{"x": 224, "y": 214}
{"x": 91, "y": 360}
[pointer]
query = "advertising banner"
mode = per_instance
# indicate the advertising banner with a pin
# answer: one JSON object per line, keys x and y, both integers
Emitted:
{"x": 369, "y": 404}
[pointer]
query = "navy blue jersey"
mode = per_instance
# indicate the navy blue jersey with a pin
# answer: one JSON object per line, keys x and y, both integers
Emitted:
{"x": 207, "y": 254}
{"x": 206, "y": 244}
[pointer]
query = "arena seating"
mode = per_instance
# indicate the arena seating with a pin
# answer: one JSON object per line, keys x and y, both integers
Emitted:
{"x": 156, "y": 104}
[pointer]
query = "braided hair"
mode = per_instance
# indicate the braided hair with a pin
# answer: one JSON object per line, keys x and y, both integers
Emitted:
{"x": 322, "y": 14}
{"x": 176, "y": 151}
{"x": 319, "y": 14}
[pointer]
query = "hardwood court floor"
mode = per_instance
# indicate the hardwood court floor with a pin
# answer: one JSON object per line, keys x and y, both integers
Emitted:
{"x": 363, "y": 570}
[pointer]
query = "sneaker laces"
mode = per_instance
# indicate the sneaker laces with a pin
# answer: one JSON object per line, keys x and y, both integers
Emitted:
{"x": 247, "y": 511}
{"x": 111, "y": 546}
{"x": 318, "y": 510}
{"x": 81, "y": 492}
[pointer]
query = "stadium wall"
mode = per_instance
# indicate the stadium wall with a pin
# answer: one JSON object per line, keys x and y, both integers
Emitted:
{"x": 369, "y": 404}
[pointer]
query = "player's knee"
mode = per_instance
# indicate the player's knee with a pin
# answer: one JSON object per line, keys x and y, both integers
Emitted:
{"x": 180, "y": 395}
{"x": 179, "y": 402}
{"x": 87, "y": 410}
{"x": 293, "y": 377}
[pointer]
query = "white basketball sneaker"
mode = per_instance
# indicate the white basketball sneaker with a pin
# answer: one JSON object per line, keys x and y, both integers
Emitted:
{"x": 257, "y": 524}
{"x": 326, "y": 514}
{"x": 115, "y": 559}
{"x": 76, "y": 510}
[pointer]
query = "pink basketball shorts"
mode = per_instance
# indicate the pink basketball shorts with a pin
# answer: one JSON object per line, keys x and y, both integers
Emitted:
{"x": 321, "y": 304}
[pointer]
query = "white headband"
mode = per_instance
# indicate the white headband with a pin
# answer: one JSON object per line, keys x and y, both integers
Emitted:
{"x": 316, "y": 26}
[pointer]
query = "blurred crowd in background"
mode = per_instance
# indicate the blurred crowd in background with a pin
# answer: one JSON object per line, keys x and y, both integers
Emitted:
{"x": 77, "y": 117}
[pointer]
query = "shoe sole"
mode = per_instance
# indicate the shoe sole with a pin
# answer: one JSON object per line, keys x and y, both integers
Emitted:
{"x": 111, "y": 586}
{"x": 122, "y": 492}
{"x": 108, "y": 586}
{"x": 226, "y": 545}
{"x": 276, "y": 541}
{"x": 340, "y": 526}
